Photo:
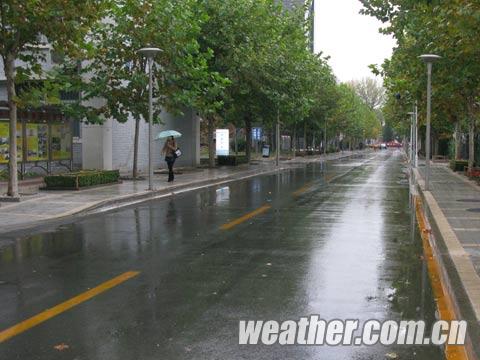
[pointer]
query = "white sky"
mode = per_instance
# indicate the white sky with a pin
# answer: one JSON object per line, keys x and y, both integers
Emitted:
{"x": 351, "y": 40}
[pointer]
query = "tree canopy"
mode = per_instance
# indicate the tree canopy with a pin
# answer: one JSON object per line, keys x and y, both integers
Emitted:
{"x": 446, "y": 28}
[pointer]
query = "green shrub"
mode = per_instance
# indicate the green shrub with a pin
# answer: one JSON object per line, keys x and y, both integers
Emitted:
{"x": 231, "y": 160}
{"x": 241, "y": 144}
{"x": 458, "y": 165}
{"x": 76, "y": 180}
{"x": 331, "y": 149}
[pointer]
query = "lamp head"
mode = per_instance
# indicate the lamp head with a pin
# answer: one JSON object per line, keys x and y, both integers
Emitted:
{"x": 149, "y": 52}
{"x": 429, "y": 58}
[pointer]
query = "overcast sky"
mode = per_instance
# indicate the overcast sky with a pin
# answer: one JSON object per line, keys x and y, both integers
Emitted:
{"x": 349, "y": 38}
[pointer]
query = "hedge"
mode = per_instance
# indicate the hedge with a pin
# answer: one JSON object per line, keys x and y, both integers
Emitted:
{"x": 231, "y": 160}
{"x": 458, "y": 165}
{"x": 77, "y": 180}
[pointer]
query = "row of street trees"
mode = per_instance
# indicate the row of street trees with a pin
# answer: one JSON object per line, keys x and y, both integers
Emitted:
{"x": 446, "y": 28}
{"x": 241, "y": 61}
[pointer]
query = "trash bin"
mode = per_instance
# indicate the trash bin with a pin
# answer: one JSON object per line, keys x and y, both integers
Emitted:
{"x": 266, "y": 151}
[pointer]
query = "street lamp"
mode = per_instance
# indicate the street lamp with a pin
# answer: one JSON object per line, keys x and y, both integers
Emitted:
{"x": 412, "y": 138}
{"x": 429, "y": 59}
{"x": 277, "y": 135}
{"x": 149, "y": 53}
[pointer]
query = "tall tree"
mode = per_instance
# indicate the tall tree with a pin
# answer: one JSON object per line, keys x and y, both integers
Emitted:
{"x": 25, "y": 25}
{"x": 371, "y": 92}
{"x": 118, "y": 71}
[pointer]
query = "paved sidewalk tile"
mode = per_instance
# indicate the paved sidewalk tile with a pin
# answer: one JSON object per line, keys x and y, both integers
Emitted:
{"x": 460, "y": 202}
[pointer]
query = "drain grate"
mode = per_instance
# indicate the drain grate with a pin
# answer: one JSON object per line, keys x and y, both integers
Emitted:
{"x": 476, "y": 210}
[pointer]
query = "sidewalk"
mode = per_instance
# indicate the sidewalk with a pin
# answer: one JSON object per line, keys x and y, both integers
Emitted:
{"x": 49, "y": 206}
{"x": 453, "y": 208}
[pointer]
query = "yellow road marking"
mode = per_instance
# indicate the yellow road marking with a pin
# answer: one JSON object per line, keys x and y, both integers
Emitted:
{"x": 245, "y": 217}
{"x": 60, "y": 308}
{"x": 303, "y": 189}
{"x": 442, "y": 296}
{"x": 307, "y": 186}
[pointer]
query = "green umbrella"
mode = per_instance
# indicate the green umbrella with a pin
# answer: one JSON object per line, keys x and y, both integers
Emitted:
{"x": 167, "y": 133}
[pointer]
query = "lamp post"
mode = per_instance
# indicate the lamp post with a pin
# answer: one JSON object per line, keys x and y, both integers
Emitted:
{"x": 415, "y": 163}
{"x": 412, "y": 138}
{"x": 149, "y": 53}
{"x": 277, "y": 135}
{"x": 429, "y": 59}
{"x": 325, "y": 138}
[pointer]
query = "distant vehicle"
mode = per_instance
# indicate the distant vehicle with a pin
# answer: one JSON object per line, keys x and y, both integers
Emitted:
{"x": 394, "y": 144}
{"x": 383, "y": 146}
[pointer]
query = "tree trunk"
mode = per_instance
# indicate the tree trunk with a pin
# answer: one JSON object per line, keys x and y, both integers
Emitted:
{"x": 305, "y": 136}
{"x": 211, "y": 144}
{"x": 9, "y": 62}
{"x": 248, "y": 133}
{"x": 434, "y": 144}
{"x": 471, "y": 142}
{"x": 135, "y": 149}
{"x": 458, "y": 144}
{"x": 294, "y": 140}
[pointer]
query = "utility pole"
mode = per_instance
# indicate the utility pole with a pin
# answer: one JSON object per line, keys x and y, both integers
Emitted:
{"x": 277, "y": 158}
{"x": 325, "y": 138}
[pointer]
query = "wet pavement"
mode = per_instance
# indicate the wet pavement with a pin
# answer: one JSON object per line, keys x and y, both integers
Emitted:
{"x": 335, "y": 239}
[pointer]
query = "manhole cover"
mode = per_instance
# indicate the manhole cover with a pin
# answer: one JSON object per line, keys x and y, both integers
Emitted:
{"x": 476, "y": 210}
{"x": 469, "y": 200}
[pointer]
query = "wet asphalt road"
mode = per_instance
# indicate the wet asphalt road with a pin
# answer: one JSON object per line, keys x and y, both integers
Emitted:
{"x": 337, "y": 241}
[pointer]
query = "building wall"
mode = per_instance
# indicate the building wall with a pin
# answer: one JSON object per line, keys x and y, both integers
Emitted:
{"x": 77, "y": 154}
{"x": 45, "y": 60}
{"x": 3, "y": 92}
{"x": 123, "y": 146}
{"x": 111, "y": 145}
{"x": 290, "y": 4}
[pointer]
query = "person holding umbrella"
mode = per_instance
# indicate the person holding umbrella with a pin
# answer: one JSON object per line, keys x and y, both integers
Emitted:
{"x": 170, "y": 150}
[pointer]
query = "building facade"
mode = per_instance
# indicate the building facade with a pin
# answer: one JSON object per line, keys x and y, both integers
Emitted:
{"x": 292, "y": 4}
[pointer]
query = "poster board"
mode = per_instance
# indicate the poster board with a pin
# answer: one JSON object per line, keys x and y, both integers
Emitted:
{"x": 61, "y": 141}
{"x": 5, "y": 141}
{"x": 37, "y": 142}
{"x": 44, "y": 141}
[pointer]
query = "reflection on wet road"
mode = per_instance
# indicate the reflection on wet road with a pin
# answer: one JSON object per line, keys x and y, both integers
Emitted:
{"x": 332, "y": 239}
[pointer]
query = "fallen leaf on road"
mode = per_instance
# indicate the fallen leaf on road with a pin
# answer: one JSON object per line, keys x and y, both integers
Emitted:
{"x": 391, "y": 356}
{"x": 61, "y": 347}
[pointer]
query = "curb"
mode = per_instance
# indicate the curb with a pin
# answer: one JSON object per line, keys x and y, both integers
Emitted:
{"x": 132, "y": 199}
{"x": 139, "y": 197}
{"x": 455, "y": 263}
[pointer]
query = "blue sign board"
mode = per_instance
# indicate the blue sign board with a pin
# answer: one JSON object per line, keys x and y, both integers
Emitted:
{"x": 256, "y": 133}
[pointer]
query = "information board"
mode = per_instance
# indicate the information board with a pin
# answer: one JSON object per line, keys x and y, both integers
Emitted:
{"x": 5, "y": 141}
{"x": 222, "y": 142}
{"x": 37, "y": 142}
{"x": 256, "y": 133}
{"x": 61, "y": 141}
